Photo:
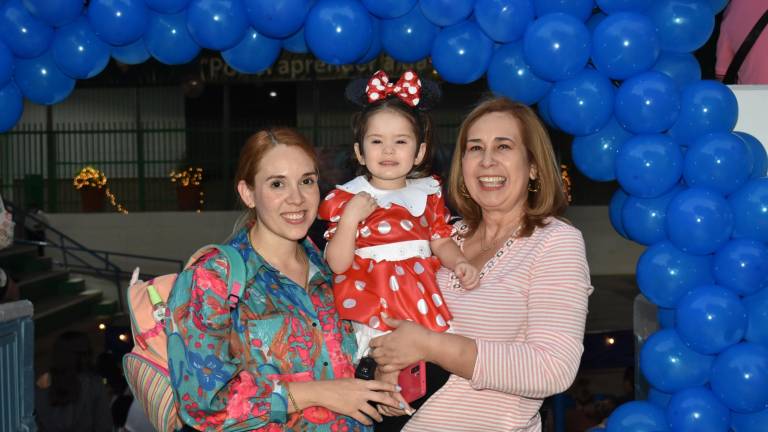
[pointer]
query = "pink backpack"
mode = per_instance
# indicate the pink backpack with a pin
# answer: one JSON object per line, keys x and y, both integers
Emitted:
{"x": 146, "y": 366}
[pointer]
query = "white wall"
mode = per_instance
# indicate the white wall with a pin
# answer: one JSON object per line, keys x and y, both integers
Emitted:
{"x": 752, "y": 114}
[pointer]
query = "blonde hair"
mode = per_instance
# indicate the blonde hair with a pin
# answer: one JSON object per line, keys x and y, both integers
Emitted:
{"x": 550, "y": 199}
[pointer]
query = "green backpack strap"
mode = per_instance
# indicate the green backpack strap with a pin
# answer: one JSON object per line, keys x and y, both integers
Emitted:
{"x": 236, "y": 279}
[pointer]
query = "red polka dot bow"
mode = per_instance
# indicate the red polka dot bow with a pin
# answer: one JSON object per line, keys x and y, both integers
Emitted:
{"x": 407, "y": 88}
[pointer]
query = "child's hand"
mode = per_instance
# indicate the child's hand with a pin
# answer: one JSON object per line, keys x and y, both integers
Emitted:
{"x": 359, "y": 207}
{"x": 467, "y": 274}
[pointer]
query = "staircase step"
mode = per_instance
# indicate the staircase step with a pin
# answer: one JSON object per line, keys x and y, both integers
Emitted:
{"x": 14, "y": 259}
{"x": 105, "y": 308}
{"x": 71, "y": 286}
{"x": 61, "y": 311}
{"x": 37, "y": 264}
{"x": 39, "y": 285}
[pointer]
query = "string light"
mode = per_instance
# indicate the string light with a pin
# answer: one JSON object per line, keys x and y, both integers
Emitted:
{"x": 609, "y": 340}
{"x": 90, "y": 177}
{"x": 102, "y": 326}
{"x": 190, "y": 177}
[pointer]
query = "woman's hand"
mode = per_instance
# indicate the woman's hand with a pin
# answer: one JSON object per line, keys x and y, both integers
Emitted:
{"x": 391, "y": 378}
{"x": 467, "y": 274}
{"x": 349, "y": 397}
{"x": 359, "y": 207}
{"x": 405, "y": 345}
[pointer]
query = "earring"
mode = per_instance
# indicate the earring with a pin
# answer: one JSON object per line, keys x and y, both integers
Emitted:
{"x": 534, "y": 185}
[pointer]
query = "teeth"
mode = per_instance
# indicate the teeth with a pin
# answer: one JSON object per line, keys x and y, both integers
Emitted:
{"x": 495, "y": 179}
{"x": 294, "y": 216}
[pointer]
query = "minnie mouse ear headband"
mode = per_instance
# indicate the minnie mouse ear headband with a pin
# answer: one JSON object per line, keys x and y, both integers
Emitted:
{"x": 410, "y": 89}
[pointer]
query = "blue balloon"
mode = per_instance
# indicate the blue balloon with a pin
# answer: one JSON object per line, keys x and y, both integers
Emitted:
{"x": 408, "y": 38}
{"x": 25, "y": 35}
{"x": 77, "y": 50}
{"x": 670, "y": 366}
{"x": 504, "y": 20}
{"x": 658, "y": 397}
{"x": 254, "y": 54}
{"x": 682, "y": 25}
{"x": 740, "y": 377}
{"x": 6, "y": 64}
{"x": 752, "y": 422}
{"x": 614, "y": 6}
{"x": 705, "y": 106}
{"x": 697, "y": 409}
{"x": 131, "y": 54}
{"x": 665, "y": 273}
{"x": 543, "y": 110}
{"x": 118, "y": 22}
{"x": 644, "y": 218}
{"x": 742, "y": 266}
{"x": 648, "y": 103}
{"x": 461, "y": 53}
{"x": 388, "y": 9}
{"x": 614, "y": 211}
{"x": 750, "y": 204}
{"x": 595, "y": 155}
{"x": 217, "y": 24}
{"x": 637, "y": 416}
{"x": 167, "y": 6}
{"x": 168, "y": 39}
{"x": 41, "y": 81}
{"x": 665, "y": 317}
{"x": 581, "y": 9}
{"x": 338, "y": 31}
{"x": 625, "y": 44}
{"x": 55, "y": 12}
{"x": 509, "y": 75}
{"x": 446, "y": 13}
{"x": 649, "y": 165}
{"x": 296, "y": 43}
{"x": 277, "y": 19}
{"x": 719, "y": 161}
{"x": 699, "y": 221}
{"x": 759, "y": 157}
{"x": 557, "y": 46}
{"x": 757, "y": 317}
{"x": 13, "y": 106}
{"x": 595, "y": 21}
{"x": 683, "y": 68}
{"x": 375, "y": 49}
{"x": 582, "y": 105}
{"x": 717, "y": 5}
{"x": 710, "y": 319}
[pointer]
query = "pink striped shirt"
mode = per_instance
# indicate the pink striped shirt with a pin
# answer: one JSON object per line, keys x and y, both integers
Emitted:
{"x": 527, "y": 318}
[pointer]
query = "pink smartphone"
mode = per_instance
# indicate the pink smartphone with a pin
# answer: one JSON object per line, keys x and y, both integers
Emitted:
{"x": 413, "y": 381}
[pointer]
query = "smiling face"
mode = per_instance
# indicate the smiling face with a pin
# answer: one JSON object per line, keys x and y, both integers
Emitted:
{"x": 285, "y": 194}
{"x": 495, "y": 164}
{"x": 390, "y": 149}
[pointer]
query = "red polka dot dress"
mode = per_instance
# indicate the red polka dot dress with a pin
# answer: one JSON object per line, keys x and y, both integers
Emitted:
{"x": 393, "y": 269}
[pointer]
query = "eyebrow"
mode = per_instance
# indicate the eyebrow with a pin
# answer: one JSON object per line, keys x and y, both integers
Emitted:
{"x": 282, "y": 177}
{"x": 398, "y": 135}
{"x": 499, "y": 138}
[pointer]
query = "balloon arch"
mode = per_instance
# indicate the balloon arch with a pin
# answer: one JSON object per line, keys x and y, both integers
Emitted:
{"x": 617, "y": 74}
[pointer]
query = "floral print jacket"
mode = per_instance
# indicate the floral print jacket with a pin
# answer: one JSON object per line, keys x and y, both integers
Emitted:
{"x": 227, "y": 368}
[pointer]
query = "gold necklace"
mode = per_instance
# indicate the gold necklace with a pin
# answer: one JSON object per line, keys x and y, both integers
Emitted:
{"x": 495, "y": 241}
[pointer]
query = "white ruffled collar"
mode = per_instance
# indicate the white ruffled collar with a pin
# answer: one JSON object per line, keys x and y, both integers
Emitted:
{"x": 413, "y": 196}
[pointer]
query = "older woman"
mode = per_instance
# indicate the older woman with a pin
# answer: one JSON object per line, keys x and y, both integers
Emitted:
{"x": 517, "y": 338}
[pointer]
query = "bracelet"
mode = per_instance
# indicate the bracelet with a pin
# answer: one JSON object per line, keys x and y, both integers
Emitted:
{"x": 293, "y": 401}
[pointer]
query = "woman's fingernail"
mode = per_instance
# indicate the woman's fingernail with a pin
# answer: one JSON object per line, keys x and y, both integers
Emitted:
{"x": 410, "y": 411}
{"x": 402, "y": 405}
{"x": 398, "y": 388}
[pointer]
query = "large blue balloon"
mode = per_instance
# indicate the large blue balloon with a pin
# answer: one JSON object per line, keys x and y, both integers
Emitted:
{"x": 719, "y": 161}
{"x": 665, "y": 273}
{"x": 41, "y": 81}
{"x": 118, "y": 22}
{"x": 131, "y": 54}
{"x": 757, "y": 317}
{"x": 581, "y": 9}
{"x": 543, "y": 110}
{"x": 614, "y": 211}
{"x": 557, "y": 46}
{"x": 614, "y": 6}
{"x": 338, "y": 31}
{"x": 750, "y": 210}
{"x": 648, "y": 103}
{"x": 168, "y": 39}
{"x": 742, "y": 266}
{"x": 167, "y": 6}
{"x": 697, "y": 409}
{"x": 710, "y": 319}
{"x": 683, "y": 68}
{"x": 375, "y": 49}
{"x": 6, "y": 64}
{"x": 217, "y": 24}
{"x": 504, "y": 20}
{"x": 296, "y": 43}
{"x": 644, "y": 218}
{"x": 740, "y": 377}
{"x": 77, "y": 50}
{"x": 637, "y": 416}
{"x": 665, "y": 317}
{"x": 253, "y": 54}
{"x": 625, "y": 44}
{"x": 595, "y": 21}
{"x": 446, "y": 13}
{"x": 595, "y": 155}
{"x": 408, "y": 38}
{"x": 753, "y": 422}
{"x": 583, "y": 104}
{"x": 462, "y": 52}
{"x": 699, "y": 221}
{"x": 25, "y": 35}
{"x": 658, "y": 397}
{"x": 649, "y": 165}
{"x": 13, "y": 106}
{"x": 509, "y": 75}
{"x": 388, "y": 9}
{"x": 705, "y": 106}
{"x": 670, "y": 366}
{"x": 759, "y": 157}
{"x": 277, "y": 19}
{"x": 682, "y": 25}
{"x": 55, "y": 12}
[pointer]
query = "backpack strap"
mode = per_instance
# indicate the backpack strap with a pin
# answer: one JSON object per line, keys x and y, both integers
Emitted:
{"x": 236, "y": 279}
{"x": 746, "y": 46}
